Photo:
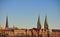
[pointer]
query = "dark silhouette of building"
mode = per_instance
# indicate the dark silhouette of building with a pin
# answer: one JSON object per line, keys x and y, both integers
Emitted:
{"x": 6, "y": 22}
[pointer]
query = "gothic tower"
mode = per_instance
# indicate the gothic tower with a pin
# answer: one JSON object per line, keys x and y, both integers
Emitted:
{"x": 6, "y": 22}
{"x": 38, "y": 23}
{"x": 46, "y": 24}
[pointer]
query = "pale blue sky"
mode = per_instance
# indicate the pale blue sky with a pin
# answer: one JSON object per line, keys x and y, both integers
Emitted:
{"x": 24, "y": 13}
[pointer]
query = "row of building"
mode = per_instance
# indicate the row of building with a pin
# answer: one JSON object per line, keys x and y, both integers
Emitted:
{"x": 34, "y": 32}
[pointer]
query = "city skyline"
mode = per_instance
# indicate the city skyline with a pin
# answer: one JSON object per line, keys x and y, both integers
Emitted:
{"x": 24, "y": 14}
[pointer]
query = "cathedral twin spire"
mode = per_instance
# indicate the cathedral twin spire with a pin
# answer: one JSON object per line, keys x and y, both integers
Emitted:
{"x": 38, "y": 23}
{"x": 45, "y": 23}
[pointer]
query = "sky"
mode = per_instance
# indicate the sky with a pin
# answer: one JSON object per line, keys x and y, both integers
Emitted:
{"x": 24, "y": 13}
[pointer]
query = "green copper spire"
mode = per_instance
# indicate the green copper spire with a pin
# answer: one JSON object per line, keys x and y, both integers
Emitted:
{"x": 46, "y": 23}
{"x": 38, "y": 23}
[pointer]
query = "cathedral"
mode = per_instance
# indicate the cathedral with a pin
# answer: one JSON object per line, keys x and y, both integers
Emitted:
{"x": 34, "y": 32}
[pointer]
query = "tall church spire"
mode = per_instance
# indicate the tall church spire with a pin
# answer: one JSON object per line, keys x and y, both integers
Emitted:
{"x": 6, "y": 22}
{"x": 46, "y": 23}
{"x": 38, "y": 23}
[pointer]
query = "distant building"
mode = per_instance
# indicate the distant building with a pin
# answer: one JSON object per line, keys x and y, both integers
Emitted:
{"x": 1, "y": 26}
{"x": 34, "y": 32}
{"x": 55, "y": 33}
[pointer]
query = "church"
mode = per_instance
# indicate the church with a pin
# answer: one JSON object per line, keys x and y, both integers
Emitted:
{"x": 34, "y": 32}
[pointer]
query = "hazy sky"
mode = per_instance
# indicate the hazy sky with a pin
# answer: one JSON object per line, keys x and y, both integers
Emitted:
{"x": 24, "y": 13}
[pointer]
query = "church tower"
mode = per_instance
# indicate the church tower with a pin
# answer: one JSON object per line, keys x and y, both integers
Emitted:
{"x": 38, "y": 23}
{"x": 46, "y": 24}
{"x": 6, "y": 22}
